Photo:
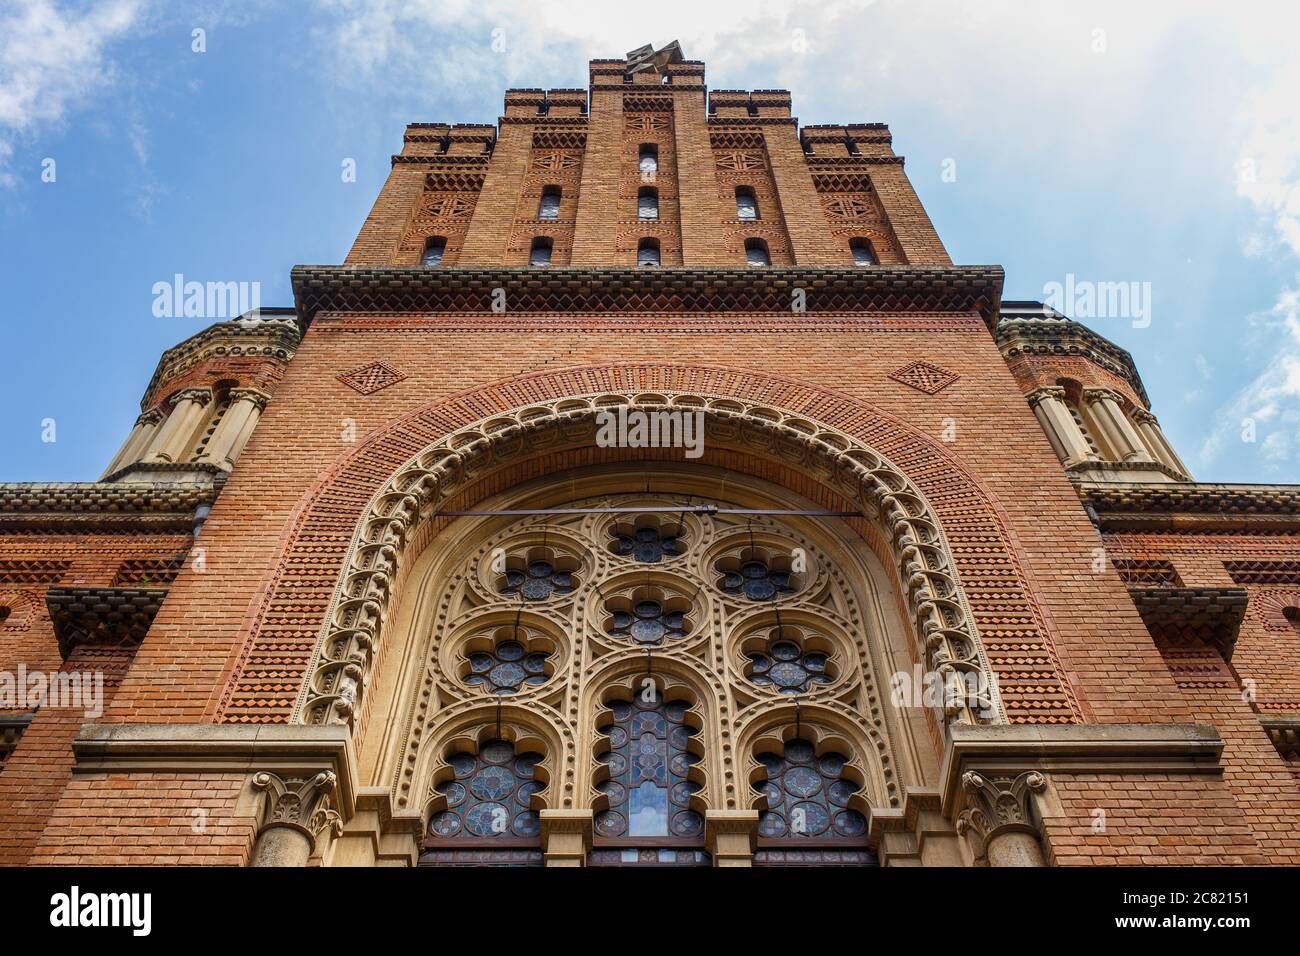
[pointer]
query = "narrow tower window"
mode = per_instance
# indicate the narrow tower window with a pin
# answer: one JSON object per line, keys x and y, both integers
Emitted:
{"x": 647, "y": 203}
{"x": 541, "y": 252}
{"x": 746, "y": 204}
{"x": 756, "y": 253}
{"x": 550, "y": 205}
{"x": 434, "y": 247}
{"x": 649, "y": 162}
{"x": 864, "y": 254}
{"x": 647, "y": 253}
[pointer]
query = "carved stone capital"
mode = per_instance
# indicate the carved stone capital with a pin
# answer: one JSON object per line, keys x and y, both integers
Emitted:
{"x": 253, "y": 395}
{"x": 1047, "y": 391}
{"x": 1144, "y": 417}
{"x": 200, "y": 396}
{"x": 1101, "y": 395}
{"x": 154, "y": 416}
{"x": 300, "y": 803}
{"x": 997, "y": 807}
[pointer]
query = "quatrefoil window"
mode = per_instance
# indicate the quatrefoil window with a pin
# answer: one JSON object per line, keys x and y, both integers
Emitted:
{"x": 490, "y": 795}
{"x": 538, "y": 575}
{"x": 648, "y": 539}
{"x": 789, "y": 662}
{"x": 758, "y": 574}
{"x": 648, "y": 617}
{"x": 807, "y": 795}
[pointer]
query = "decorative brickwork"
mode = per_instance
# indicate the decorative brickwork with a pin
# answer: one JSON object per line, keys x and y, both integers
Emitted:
{"x": 924, "y": 377}
{"x": 371, "y": 378}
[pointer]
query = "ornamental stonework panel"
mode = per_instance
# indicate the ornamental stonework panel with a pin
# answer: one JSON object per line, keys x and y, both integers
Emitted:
{"x": 924, "y": 377}
{"x": 371, "y": 378}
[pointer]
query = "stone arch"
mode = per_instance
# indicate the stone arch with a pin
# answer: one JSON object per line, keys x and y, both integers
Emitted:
{"x": 836, "y": 443}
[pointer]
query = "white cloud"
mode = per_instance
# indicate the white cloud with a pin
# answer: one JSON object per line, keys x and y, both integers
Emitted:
{"x": 52, "y": 58}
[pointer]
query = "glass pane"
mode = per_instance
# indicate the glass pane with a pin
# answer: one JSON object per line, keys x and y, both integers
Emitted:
{"x": 541, "y": 255}
{"x": 647, "y": 207}
{"x": 433, "y": 253}
{"x": 550, "y": 208}
{"x": 648, "y": 811}
{"x": 756, "y": 256}
{"x": 647, "y": 256}
{"x": 649, "y": 161}
{"x": 862, "y": 254}
{"x": 746, "y": 207}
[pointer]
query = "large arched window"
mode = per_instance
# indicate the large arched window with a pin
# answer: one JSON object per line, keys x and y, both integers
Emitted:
{"x": 806, "y": 816}
{"x": 647, "y": 203}
{"x": 489, "y": 812}
{"x": 647, "y": 792}
{"x": 746, "y": 203}
{"x": 549, "y": 207}
{"x": 540, "y": 253}
{"x": 756, "y": 253}
{"x": 647, "y": 253}
{"x": 434, "y": 249}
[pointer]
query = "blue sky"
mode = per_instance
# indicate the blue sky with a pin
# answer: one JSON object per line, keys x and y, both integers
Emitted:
{"x": 1155, "y": 145}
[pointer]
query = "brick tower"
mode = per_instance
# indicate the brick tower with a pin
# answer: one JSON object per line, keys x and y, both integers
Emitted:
{"x": 649, "y": 487}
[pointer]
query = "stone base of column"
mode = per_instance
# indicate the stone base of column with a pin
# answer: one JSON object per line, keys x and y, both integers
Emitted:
{"x": 731, "y": 836}
{"x": 566, "y": 836}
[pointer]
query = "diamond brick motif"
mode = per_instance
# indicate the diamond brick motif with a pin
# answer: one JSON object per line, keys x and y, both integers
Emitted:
{"x": 371, "y": 378}
{"x": 925, "y": 377}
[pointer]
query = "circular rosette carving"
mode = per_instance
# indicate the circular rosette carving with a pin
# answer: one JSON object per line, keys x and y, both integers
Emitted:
{"x": 648, "y": 615}
{"x": 507, "y": 659}
{"x": 502, "y": 653}
{"x": 790, "y": 659}
{"x": 534, "y": 572}
{"x": 753, "y": 568}
{"x": 651, "y": 538}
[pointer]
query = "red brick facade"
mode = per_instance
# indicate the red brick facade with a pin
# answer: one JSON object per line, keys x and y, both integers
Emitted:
{"x": 1142, "y": 630}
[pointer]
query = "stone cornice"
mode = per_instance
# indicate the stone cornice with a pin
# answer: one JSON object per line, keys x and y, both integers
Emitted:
{"x": 286, "y": 750}
{"x": 1009, "y": 750}
{"x": 1284, "y": 731}
{"x": 145, "y": 508}
{"x": 1193, "y": 506}
{"x": 1214, "y": 614}
{"x": 1053, "y": 335}
{"x": 102, "y": 617}
{"x": 274, "y": 338}
{"x": 955, "y": 289}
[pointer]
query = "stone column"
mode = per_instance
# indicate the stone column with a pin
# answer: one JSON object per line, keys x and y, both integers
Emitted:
{"x": 566, "y": 836}
{"x": 999, "y": 818}
{"x": 1120, "y": 434}
{"x": 1157, "y": 443}
{"x": 177, "y": 432}
{"x": 236, "y": 427}
{"x": 1059, "y": 425}
{"x": 731, "y": 836}
{"x": 146, "y": 426}
{"x": 296, "y": 812}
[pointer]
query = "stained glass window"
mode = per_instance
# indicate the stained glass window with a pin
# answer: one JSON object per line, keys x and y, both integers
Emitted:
{"x": 757, "y": 580}
{"x": 506, "y": 668}
{"x": 647, "y": 545}
{"x": 489, "y": 795}
{"x": 648, "y": 790}
{"x": 807, "y": 795}
{"x": 649, "y": 623}
{"x": 538, "y": 580}
{"x": 788, "y": 668}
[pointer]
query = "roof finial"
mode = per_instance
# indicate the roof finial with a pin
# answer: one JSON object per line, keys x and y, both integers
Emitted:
{"x": 648, "y": 58}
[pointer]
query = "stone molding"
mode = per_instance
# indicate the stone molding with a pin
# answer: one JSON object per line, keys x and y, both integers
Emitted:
{"x": 901, "y": 289}
{"x": 1184, "y": 506}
